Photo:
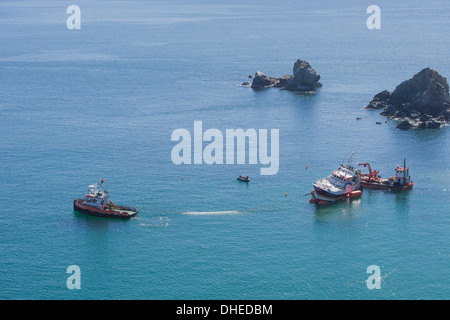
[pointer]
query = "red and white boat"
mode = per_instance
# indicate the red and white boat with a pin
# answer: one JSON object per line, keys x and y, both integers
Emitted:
{"x": 244, "y": 179}
{"x": 96, "y": 203}
{"x": 342, "y": 184}
{"x": 401, "y": 180}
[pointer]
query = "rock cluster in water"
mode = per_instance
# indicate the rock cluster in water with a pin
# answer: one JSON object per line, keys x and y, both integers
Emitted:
{"x": 420, "y": 102}
{"x": 304, "y": 78}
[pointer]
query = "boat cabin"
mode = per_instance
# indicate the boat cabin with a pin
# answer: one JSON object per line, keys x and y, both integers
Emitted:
{"x": 95, "y": 197}
{"x": 401, "y": 175}
{"x": 344, "y": 175}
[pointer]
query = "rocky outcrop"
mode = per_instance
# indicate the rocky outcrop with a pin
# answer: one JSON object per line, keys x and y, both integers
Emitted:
{"x": 420, "y": 102}
{"x": 260, "y": 81}
{"x": 380, "y": 100}
{"x": 304, "y": 78}
{"x": 283, "y": 81}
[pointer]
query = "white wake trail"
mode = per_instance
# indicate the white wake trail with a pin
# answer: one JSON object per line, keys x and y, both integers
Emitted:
{"x": 211, "y": 212}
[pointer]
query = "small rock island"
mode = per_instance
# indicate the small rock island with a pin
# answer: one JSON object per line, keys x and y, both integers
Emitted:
{"x": 304, "y": 78}
{"x": 420, "y": 102}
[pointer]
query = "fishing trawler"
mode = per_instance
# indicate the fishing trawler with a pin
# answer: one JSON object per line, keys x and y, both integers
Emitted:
{"x": 343, "y": 183}
{"x": 401, "y": 180}
{"x": 96, "y": 203}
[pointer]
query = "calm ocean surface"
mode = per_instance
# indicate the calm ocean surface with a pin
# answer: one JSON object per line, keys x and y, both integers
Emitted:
{"x": 103, "y": 101}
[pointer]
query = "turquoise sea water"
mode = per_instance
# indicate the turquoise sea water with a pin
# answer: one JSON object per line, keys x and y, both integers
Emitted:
{"x": 103, "y": 101}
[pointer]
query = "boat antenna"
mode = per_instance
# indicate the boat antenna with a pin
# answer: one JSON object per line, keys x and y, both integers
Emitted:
{"x": 100, "y": 182}
{"x": 351, "y": 157}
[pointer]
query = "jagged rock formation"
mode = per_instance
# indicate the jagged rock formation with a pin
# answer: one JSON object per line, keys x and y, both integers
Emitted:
{"x": 304, "y": 78}
{"x": 420, "y": 102}
{"x": 260, "y": 81}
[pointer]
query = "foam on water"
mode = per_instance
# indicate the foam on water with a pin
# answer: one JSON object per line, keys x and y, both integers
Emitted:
{"x": 211, "y": 212}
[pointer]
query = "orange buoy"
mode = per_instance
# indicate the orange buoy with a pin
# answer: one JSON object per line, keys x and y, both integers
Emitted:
{"x": 312, "y": 200}
{"x": 354, "y": 194}
{"x": 285, "y": 194}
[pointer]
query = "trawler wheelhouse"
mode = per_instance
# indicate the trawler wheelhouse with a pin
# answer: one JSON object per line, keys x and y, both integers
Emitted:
{"x": 95, "y": 197}
{"x": 402, "y": 176}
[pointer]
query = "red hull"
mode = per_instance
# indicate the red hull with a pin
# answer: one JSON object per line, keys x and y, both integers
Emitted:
{"x": 104, "y": 213}
{"x": 385, "y": 186}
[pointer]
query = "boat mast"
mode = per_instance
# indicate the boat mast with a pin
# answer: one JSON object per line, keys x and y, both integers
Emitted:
{"x": 350, "y": 158}
{"x": 404, "y": 170}
{"x": 100, "y": 183}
